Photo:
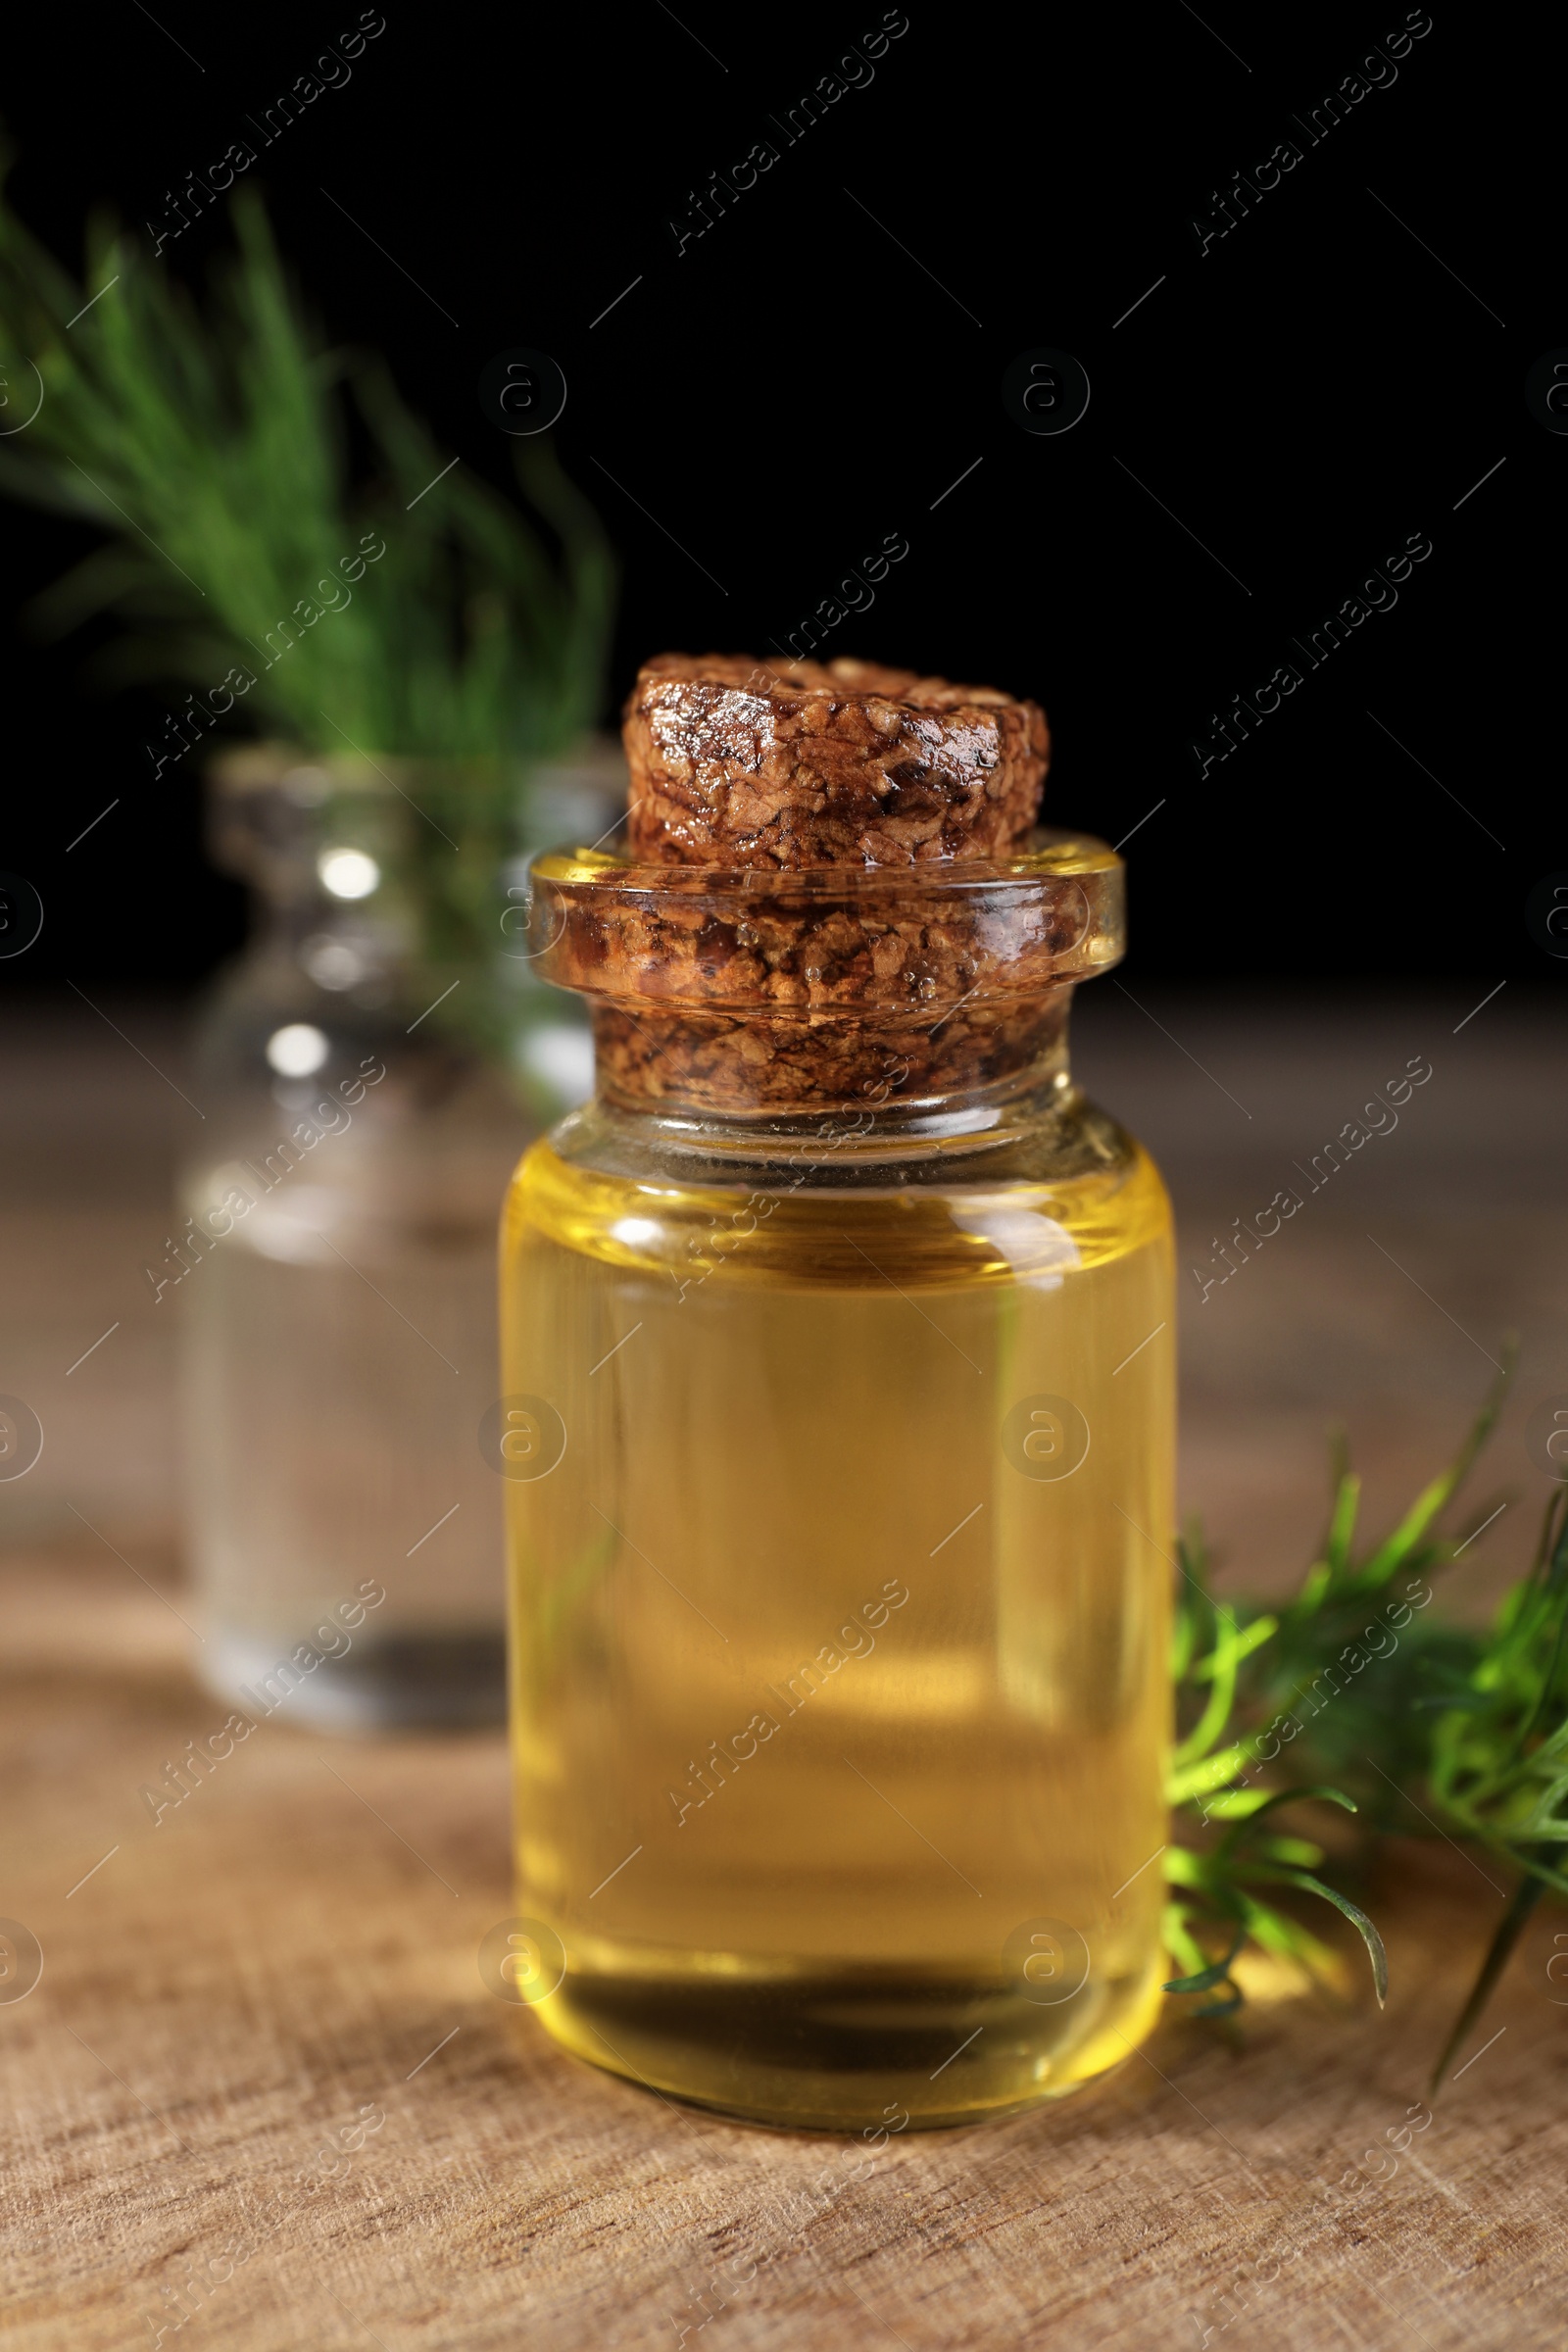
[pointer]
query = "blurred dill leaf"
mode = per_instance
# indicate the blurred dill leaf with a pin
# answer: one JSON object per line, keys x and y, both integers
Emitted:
{"x": 212, "y": 447}
{"x": 398, "y": 610}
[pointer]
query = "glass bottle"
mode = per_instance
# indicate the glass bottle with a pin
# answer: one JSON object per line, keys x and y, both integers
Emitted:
{"x": 334, "y": 1270}
{"x": 838, "y": 1443}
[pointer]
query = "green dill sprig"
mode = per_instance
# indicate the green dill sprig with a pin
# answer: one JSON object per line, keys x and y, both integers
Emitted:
{"x": 1498, "y": 1769}
{"x": 1499, "y": 1755}
{"x": 1273, "y": 1711}
{"x": 395, "y": 610}
{"x": 1216, "y": 1883}
{"x": 212, "y": 445}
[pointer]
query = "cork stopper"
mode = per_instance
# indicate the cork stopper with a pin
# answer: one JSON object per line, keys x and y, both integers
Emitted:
{"x": 734, "y": 762}
{"x": 830, "y": 893}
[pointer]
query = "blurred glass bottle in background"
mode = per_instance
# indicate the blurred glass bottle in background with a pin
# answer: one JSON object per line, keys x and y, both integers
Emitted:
{"x": 334, "y": 1265}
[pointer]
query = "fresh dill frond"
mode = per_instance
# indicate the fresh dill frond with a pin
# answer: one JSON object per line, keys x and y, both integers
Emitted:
{"x": 284, "y": 539}
{"x": 212, "y": 444}
{"x": 1216, "y": 1878}
{"x": 1498, "y": 1768}
{"x": 1335, "y": 1697}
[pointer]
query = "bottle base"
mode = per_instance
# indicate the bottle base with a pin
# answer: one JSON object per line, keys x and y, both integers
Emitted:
{"x": 405, "y": 1681}
{"x": 863, "y": 2050}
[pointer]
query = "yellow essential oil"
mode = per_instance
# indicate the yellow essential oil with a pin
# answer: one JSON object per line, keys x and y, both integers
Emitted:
{"x": 838, "y": 1517}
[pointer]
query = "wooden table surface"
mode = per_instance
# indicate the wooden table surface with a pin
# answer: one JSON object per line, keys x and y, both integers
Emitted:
{"x": 260, "y": 2091}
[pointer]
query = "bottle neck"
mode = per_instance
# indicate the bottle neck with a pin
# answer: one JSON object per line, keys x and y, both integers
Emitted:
{"x": 890, "y": 1069}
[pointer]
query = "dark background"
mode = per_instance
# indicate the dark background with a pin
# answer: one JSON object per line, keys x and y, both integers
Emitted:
{"x": 795, "y": 385}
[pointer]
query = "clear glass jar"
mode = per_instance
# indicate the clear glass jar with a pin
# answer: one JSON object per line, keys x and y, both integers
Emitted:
{"x": 839, "y": 1372}
{"x": 335, "y": 1268}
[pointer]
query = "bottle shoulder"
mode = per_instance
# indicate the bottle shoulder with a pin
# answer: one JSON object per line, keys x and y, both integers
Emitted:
{"x": 1046, "y": 1196}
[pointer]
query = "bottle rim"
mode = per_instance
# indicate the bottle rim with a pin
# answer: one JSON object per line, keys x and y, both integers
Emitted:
{"x": 858, "y": 940}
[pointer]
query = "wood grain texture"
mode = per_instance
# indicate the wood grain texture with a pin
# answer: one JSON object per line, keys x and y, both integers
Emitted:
{"x": 228, "y": 1993}
{"x": 231, "y": 1991}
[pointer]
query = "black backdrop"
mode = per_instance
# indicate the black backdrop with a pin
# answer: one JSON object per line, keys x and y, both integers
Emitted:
{"x": 1270, "y": 416}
